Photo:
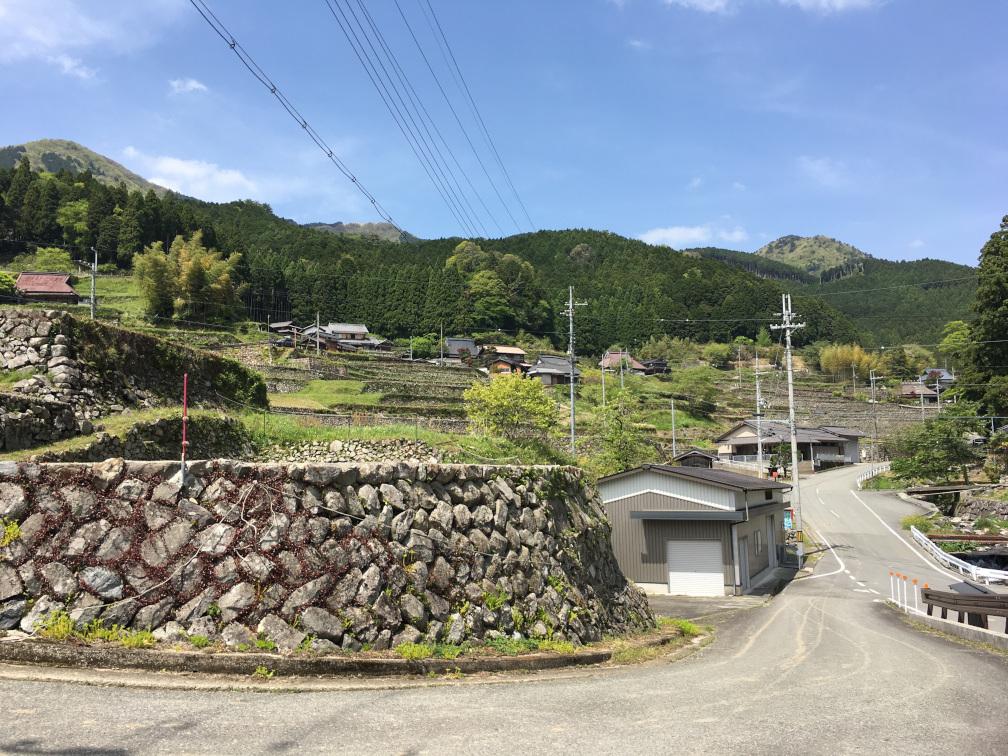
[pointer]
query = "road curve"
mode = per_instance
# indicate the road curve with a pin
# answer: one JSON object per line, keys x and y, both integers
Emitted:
{"x": 822, "y": 668}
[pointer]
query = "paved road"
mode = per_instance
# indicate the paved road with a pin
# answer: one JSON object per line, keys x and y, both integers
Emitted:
{"x": 823, "y": 668}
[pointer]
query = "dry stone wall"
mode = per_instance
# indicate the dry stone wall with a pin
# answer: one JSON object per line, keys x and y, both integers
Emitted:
{"x": 378, "y": 554}
{"x": 99, "y": 370}
{"x": 30, "y": 421}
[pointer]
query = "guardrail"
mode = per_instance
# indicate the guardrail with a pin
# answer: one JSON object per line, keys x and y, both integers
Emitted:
{"x": 982, "y": 605}
{"x": 979, "y": 574}
{"x": 871, "y": 474}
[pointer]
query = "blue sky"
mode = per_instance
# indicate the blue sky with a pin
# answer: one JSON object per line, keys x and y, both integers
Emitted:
{"x": 687, "y": 122}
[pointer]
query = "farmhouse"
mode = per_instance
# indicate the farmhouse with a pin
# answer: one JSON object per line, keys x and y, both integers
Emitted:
{"x": 553, "y": 370}
{"x": 46, "y": 287}
{"x": 823, "y": 447}
{"x": 693, "y": 531}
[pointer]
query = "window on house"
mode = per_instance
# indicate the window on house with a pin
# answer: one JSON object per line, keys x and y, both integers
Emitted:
{"x": 768, "y": 495}
{"x": 758, "y": 540}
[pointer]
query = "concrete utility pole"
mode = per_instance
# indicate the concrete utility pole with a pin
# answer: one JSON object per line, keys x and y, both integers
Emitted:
{"x": 874, "y": 414}
{"x": 94, "y": 271}
{"x": 603, "y": 394}
{"x": 672, "y": 405}
{"x": 442, "y": 345}
{"x": 789, "y": 326}
{"x": 853, "y": 372}
{"x": 317, "y": 350}
{"x": 759, "y": 422}
{"x": 571, "y": 304}
{"x": 740, "y": 368}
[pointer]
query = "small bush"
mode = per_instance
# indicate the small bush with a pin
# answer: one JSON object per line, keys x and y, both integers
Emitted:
{"x": 513, "y": 646}
{"x": 415, "y": 650}
{"x": 137, "y": 639}
{"x": 557, "y": 646}
{"x": 989, "y": 524}
{"x": 10, "y": 531}
{"x": 265, "y": 644}
{"x": 449, "y": 650}
{"x": 200, "y": 641}
{"x": 58, "y": 626}
{"x": 921, "y": 522}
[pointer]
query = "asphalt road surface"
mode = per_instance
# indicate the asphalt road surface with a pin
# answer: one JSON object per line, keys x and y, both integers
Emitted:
{"x": 824, "y": 667}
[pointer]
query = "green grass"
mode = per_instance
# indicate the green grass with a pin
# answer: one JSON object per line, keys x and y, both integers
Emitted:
{"x": 415, "y": 650}
{"x": 991, "y": 524}
{"x": 325, "y": 394}
{"x": 687, "y": 628}
{"x": 118, "y": 293}
{"x": 925, "y": 524}
{"x": 200, "y": 641}
{"x": 881, "y": 483}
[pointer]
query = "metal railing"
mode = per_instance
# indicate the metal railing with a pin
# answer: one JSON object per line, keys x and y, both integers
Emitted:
{"x": 979, "y": 574}
{"x": 871, "y": 474}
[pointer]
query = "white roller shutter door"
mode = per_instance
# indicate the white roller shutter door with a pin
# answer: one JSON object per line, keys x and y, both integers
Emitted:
{"x": 695, "y": 568}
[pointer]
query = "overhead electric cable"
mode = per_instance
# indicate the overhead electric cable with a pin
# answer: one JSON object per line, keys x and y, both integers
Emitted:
{"x": 202, "y": 8}
{"x": 472, "y": 106}
{"x": 423, "y": 116}
{"x": 379, "y": 83}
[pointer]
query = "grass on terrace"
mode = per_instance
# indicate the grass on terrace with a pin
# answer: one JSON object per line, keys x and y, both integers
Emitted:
{"x": 326, "y": 394}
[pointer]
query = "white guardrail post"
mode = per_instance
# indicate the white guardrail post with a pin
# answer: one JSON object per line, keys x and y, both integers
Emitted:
{"x": 955, "y": 563}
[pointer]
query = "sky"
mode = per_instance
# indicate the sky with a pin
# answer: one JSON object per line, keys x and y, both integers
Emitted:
{"x": 725, "y": 123}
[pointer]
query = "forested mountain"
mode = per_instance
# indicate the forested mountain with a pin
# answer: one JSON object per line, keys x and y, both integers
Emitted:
{"x": 384, "y": 231}
{"x": 812, "y": 253}
{"x": 53, "y": 155}
{"x": 889, "y": 302}
{"x": 633, "y": 290}
{"x": 901, "y": 302}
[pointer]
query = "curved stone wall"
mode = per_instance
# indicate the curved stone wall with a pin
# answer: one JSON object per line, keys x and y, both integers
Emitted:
{"x": 376, "y": 554}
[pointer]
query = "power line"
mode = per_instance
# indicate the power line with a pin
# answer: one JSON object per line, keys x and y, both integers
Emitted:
{"x": 258, "y": 73}
{"x": 467, "y": 95}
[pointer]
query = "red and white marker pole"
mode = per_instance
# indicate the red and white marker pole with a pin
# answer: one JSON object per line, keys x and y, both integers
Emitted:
{"x": 185, "y": 419}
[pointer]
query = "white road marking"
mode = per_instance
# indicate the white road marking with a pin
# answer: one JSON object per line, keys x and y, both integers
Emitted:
{"x": 835, "y": 556}
{"x": 905, "y": 543}
{"x": 872, "y": 590}
{"x": 861, "y": 584}
{"x": 861, "y": 590}
{"x": 835, "y": 514}
{"x": 846, "y": 572}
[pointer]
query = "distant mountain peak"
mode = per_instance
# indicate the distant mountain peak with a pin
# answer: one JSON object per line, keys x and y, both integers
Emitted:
{"x": 55, "y": 154}
{"x": 812, "y": 253}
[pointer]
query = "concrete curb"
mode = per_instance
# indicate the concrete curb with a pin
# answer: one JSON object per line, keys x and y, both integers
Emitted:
{"x": 51, "y": 653}
{"x": 60, "y": 654}
{"x": 960, "y": 630}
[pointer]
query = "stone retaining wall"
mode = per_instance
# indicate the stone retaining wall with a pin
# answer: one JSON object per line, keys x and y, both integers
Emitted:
{"x": 161, "y": 439}
{"x": 376, "y": 554}
{"x": 31, "y": 421}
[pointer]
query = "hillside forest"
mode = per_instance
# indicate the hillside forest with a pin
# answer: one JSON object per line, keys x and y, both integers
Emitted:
{"x": 238, "y": 261}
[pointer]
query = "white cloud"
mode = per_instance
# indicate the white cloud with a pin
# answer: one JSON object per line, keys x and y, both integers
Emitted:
{"x": 813, "y": 6}
{"x": 695, "y": 182}
{"x": 826, "y": 172}
{"x": 707, "y": 6}
{"x": 916, "y": 243}
{"x": 736, "y": 235}
{"x": 47, "y": 29}
{"x": 196, "y": 178}
{"x": 681, "y": 237}
{"x": 829, "y": 6}
{"x": 73, "y": 67}
{"x": 639, "y": 44}
{"x": 180, "y": 86}
{"x": 738, "y": 186}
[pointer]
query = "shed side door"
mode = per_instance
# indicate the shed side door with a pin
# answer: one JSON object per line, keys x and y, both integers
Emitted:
{"x": 695, "y": 568}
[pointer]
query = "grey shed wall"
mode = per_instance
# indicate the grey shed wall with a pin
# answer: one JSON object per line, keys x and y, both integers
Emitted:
{"x": 639, "y": 545}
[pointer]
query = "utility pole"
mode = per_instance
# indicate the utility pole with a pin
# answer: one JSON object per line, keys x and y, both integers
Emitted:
{"x": 789, "y": 326}
{"x": 740, "y": 368}
{"x": 874, "y": 415}
{"x": 759, "y": 422}
{"x": 317, "y": 347}
{"x": 853, "y": 372}
{"x": 442, "y": 345}
{"x": 672, "y": 404}
{"x": 94, "y": 271}
{"x": 621, "y": 368}
{"x": 571, "y": 304}
{"x": 411, "y": 347}
{"x": 603, "y": 394}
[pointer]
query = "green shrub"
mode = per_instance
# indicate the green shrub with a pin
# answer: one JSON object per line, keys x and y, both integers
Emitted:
{"x": 923, "y": 523}
{"x": 415, "y": 650}
{"x": 138, "y": 639}
{"x": 990, "y": 524}
{"x": 10, "y": 531}
{"x": 58, "y": 626}
{"x": 200, "y": 641}
{"x": 558, "y": 646}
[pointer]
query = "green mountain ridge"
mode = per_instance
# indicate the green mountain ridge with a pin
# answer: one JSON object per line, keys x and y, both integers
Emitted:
{"x": 385, "y": 231}
{"x": 53, "y": 155}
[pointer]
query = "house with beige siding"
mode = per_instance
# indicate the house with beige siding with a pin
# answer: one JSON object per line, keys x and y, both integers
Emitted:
{"x": 694, "y": 531}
